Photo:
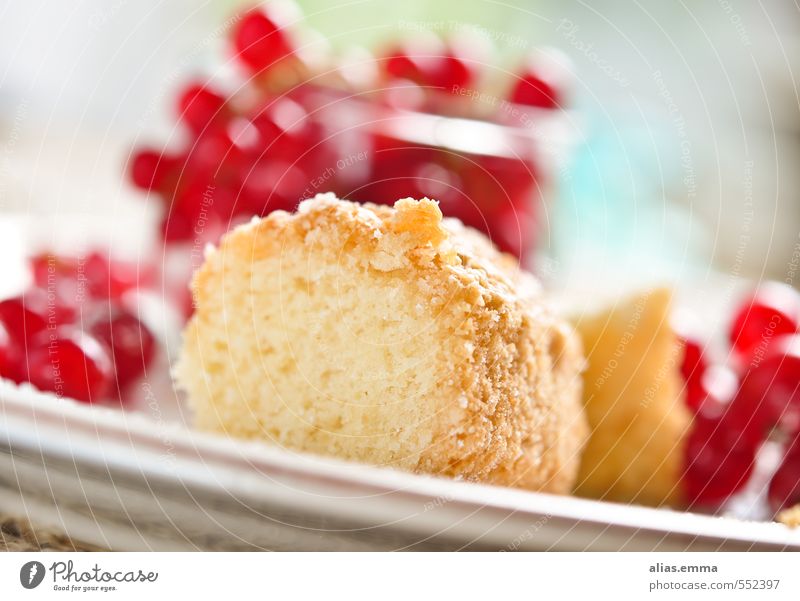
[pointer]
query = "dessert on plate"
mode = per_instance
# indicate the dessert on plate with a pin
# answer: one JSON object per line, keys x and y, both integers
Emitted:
{"x": 634, "y": 400}
{"x": 396, "y": 337}
{"x": 386, "y": 335}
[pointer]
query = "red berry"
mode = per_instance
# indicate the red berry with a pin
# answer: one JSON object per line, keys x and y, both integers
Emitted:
{"x": 694, "y": 364}
{"x": 718, "y": 462}
{"x": 271, "y": 186}
{"x": 111, "y": 279}
{"x": 696, "y": 396}
{"x": 61, "y": 286}
{"x": 71, "y": 364}
{"x": 198, "y": 106}
{"x": 499, "y": 181}
{"x": 260, "y": 40}
{"x": 534, "y": 91}
{"x": 399, "y": 64}
{"x": 511, "y": 230}
{"x": 543, "y": 82}
{"x": 287, "y": 135}
{"x": 130, "y": 344}
{"x": 769, "y": 396}
{"x": 720, "y": 384}
{"x": 97, "y": 271}
{"x": 150, "y": 169}
{"x": 394, "y": 168}
{"x": 208, "y": 160}
{"x": 784, "y": 488}
{"x": 285, "y": 128}
{"x": 199, "y": 214}
{"x": 452, "y": 72}
{"x": 245, "y": 135}
{"x": 24, "y": 316}
{"x": 504, "y": 189}
{"x": 49, "y": 269}
{"x": 712, "y": 392}
{"x": 773, "y": 310}
{"x": 176, "y": 227}
{"x": 429, "y": 63}
{"x": 70, "y": 281}
{"x": 9, "y": 356}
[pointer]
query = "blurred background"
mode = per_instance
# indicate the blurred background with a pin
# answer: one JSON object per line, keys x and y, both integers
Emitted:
{"x": 684, "y": 118}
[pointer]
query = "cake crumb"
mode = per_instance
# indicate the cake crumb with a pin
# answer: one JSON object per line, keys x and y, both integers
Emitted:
{"x": 790, "y": 517}
{"x": 383, "y": 335}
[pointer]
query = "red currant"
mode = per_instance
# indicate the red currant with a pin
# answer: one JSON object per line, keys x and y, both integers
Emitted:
{"x": 429, "y": 63}
{"x": 129, "y": 342}
{"x": 176, "y": 227}
{"x": 773, "y": 310}
{"x": 498, "y": 181}
{"x": 534, "y": 91}
{"x": 511, "y": 230}
{"x": 71, "y": 281}
{"x": 260, "y": 40}
{"x": 24, "y": 316}
{"x": 712, "y": 393}
{"x": 271, "y": 186}
{"x": 285, "y": 129}
{"x": 9, "y": 357}
{"x": 109, "y": 278}
{"x": 452, "y": 72}
{"x": 543, "y": 81}
{"x": 211, "y": 160}
{"x": 61, "y": 286}
{"x": 394, "y": 169}
{"x": 719, "y": 385}
{"x": 150, "y": 169}
{"x": 70, "y": 364}
{"x": 718, "y": 462}
{"x": 694, "y": 364}
{"x": 770, "y": 393}
{"x": 198, "y": 106}
{"x": 784, "y": 488}
{"x": 198, "y": 214}
{"x": 399, "y": 64}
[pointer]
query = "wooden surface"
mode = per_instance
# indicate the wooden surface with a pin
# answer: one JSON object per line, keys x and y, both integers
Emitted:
{"x": 17, "y": 534}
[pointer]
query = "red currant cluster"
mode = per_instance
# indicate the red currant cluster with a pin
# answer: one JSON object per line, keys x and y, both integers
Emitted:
{"x": 412, "y": 127}
{"x": 737, "y": 408}
{"x": 70, "y": 332}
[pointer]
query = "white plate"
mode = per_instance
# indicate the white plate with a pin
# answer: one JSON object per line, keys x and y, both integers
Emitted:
{"x": 126, "y": 481}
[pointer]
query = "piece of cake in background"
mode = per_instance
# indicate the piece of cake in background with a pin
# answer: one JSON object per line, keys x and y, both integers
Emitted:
{"x": 633, "y": 396}
{"x": 388, "y": 336}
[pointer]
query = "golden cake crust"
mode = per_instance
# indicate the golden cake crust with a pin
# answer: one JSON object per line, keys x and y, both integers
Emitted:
{"x": 496, "y": 398}
{"x": 633, "y": 396}
{"x": 790, "y": 517}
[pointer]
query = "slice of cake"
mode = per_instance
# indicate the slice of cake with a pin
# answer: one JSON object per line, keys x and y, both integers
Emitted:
{"x": 633, "y": 395}
{"x": 388, "y": 336}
